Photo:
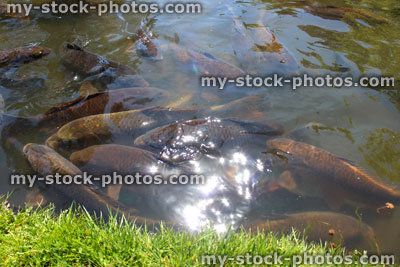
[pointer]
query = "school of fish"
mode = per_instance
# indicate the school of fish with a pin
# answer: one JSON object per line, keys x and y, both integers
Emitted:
{"x": 121, "y": 124}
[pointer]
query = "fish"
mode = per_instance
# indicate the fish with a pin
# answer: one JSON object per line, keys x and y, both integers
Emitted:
{"x": 312, "y": 171}
{"x": 15, "y": 15}
{"x": 204, "y": 130}
{"x": 99, "y": 103}
{"x": 189, "y": 140}
{"x": 338, "y": 13}
{"x": 45, "y": 161}
{"x": 316, "y": 226}
{"x": 257, "y": 48}
{"x": 96, "y": 67}
{"x": 21, "y": 55}
{"x": 203, "y": 64}
{"x": 123, "y": 160}
{"x": 102, "y": 128}
{"x": 146, "y": 45}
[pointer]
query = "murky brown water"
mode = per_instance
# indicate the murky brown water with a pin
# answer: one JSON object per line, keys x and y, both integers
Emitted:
{"x": 361, "y": 124}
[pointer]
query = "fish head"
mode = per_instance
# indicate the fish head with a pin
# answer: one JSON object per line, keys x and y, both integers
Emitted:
{"x": 38, "y": 52}
{"x": 158, "y": 137}
{"x": 84, "y": 62}
{"x": 37, "y": 156}
{"x": 46, "y": 161}
{"x": 30, "y": 54}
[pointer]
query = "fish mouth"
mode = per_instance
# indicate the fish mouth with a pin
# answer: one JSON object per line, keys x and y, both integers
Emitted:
{"x": 45, "y": 51}
{"x": 31, "y": 147}
{"x": 41, "y": 52}
{"x": 26, "y": 149}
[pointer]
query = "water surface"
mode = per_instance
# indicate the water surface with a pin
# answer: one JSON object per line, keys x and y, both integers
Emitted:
{"x": 362, "y": 124}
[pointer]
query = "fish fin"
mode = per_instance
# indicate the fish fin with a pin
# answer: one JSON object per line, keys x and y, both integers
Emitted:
{"x": 69, "y": 104}
{"x": 73, "y": 46}
{"x": 272, "y": 186}
{"x": 287, "y": 181}
{"x": 350, "y": 162}
{"x": 114, "y": 191}
{"x": 205, "y": 54}
{"x": 87, "y": 88}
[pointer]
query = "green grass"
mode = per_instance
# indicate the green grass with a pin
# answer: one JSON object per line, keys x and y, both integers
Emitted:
{"x": 36, "y": 237}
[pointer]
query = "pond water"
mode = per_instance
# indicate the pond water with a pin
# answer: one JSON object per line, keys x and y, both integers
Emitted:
{"x": 358, "y": 124}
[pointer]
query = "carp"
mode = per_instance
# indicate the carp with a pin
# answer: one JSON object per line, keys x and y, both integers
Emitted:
{"x": 4, "y": 14}
{"x": 45, "y": 161}
{"x": 189, "y": 140}
{"x": 260, "y": 50}
{"x": 99, "y": 103}
{"x": 311, "y": 171}
{"x": 207, "y": 130}
{"x": 123, "y": 160}
{"x": 316, "y": 226}
{"x": 338, "y": 13}
{"x": 101, "y": 128}
{"x": 99, "y": 68}
{"x": 21, "y": 55}
{"x": 203, "y": 64}
{"x": 106, "y": 102}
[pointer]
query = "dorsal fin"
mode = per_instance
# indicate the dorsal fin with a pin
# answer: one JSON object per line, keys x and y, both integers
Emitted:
{"x": 72, "y": 103}
{"x": 206, "y": 54}
{"x": 73, "y": 46}
{"x": 352, "y": 163}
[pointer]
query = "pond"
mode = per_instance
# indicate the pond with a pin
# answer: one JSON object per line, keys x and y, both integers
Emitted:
{"x": 360, "y": 126}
